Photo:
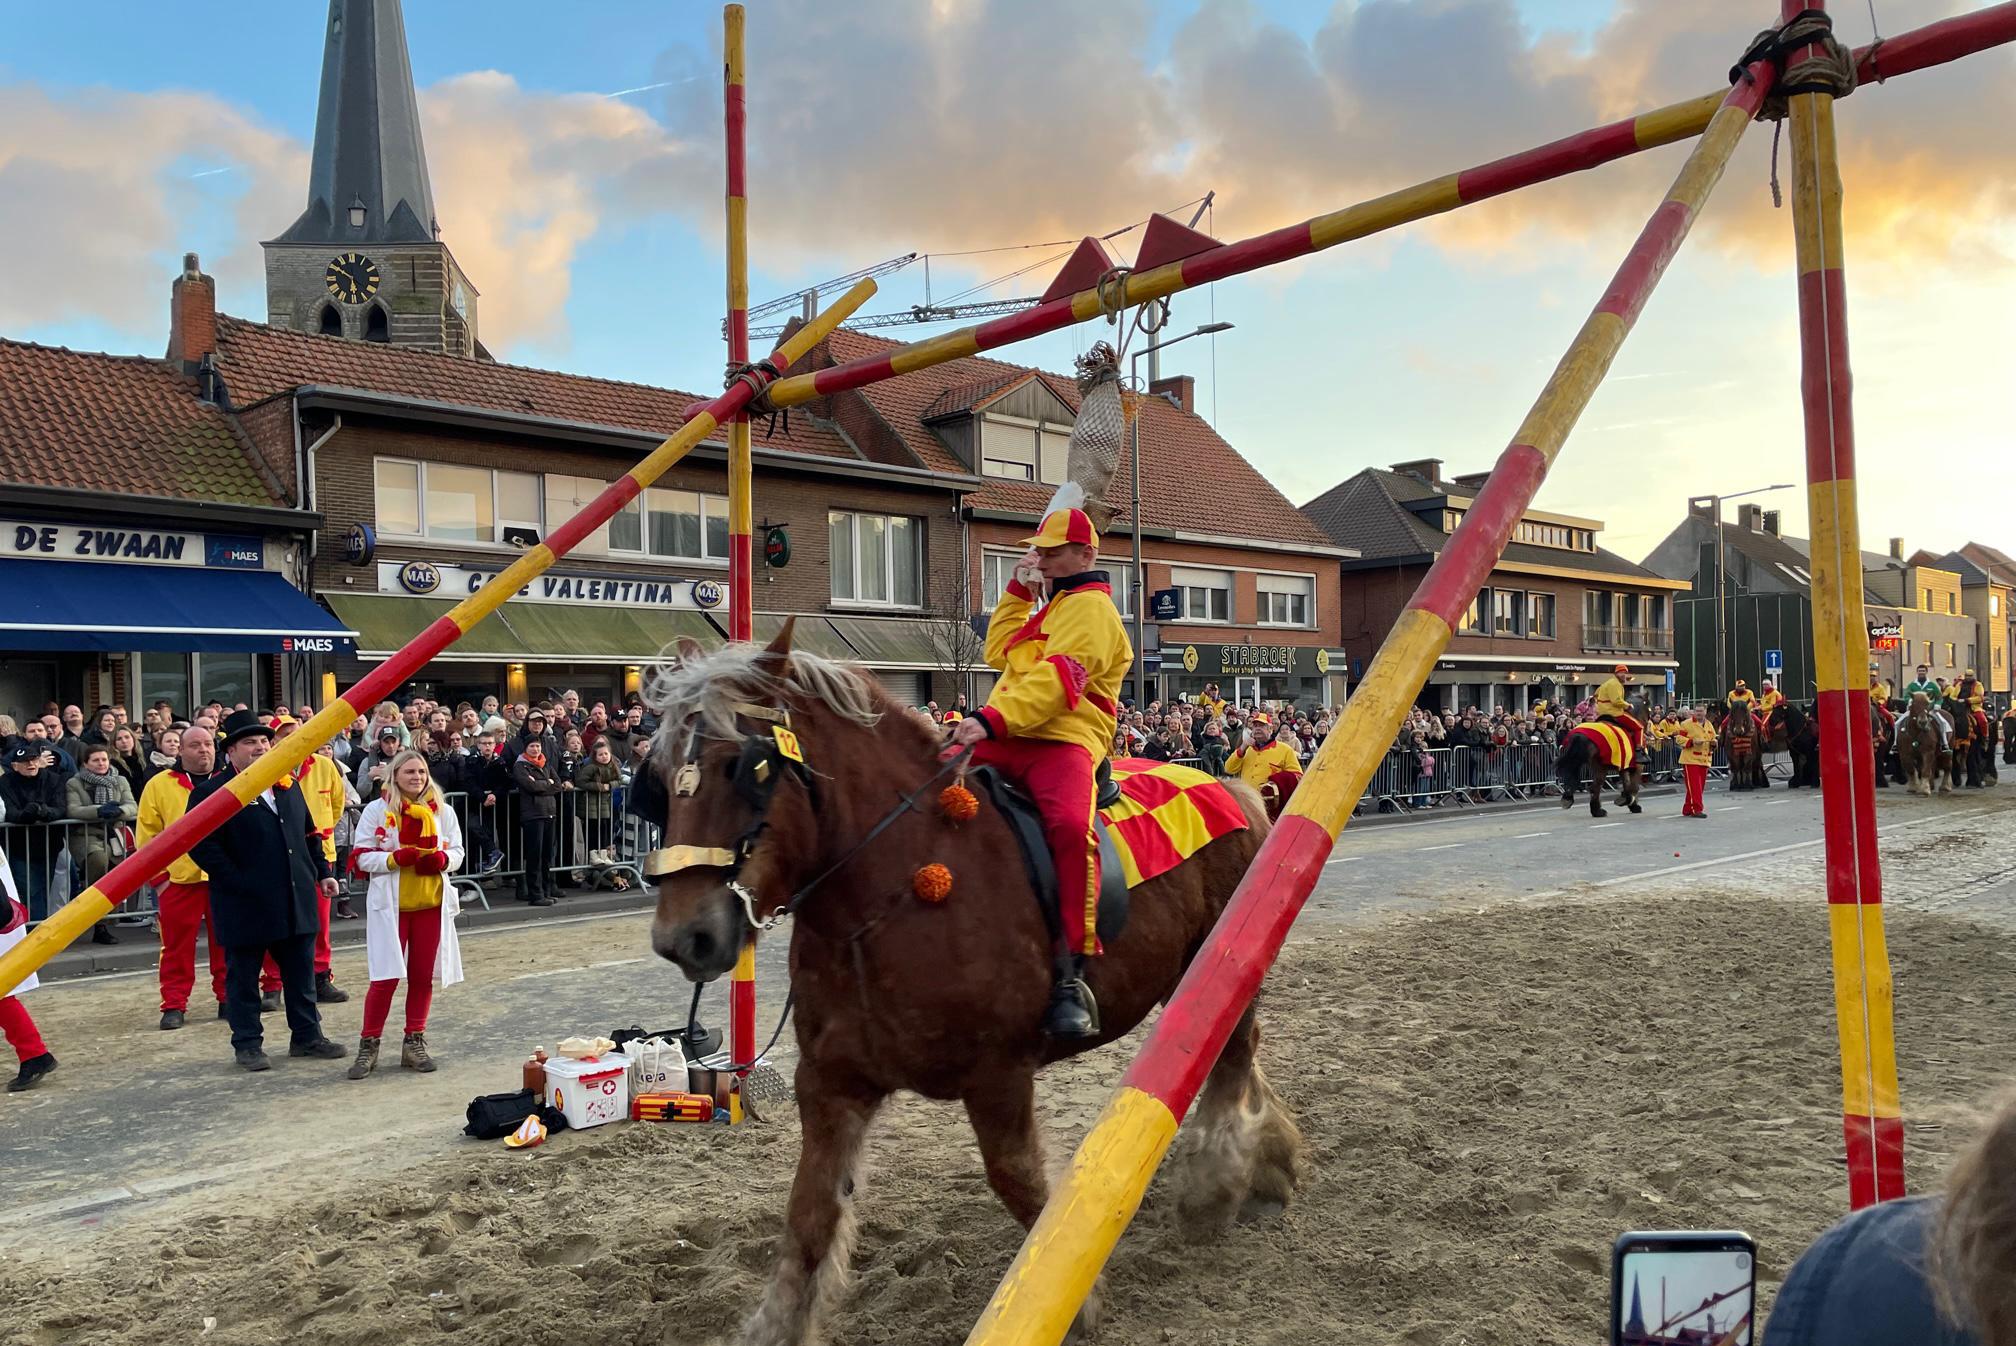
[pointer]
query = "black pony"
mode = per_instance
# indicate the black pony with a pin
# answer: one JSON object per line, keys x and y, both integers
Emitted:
{"x": 1586, "y": 754}
{"x": 1801, "y": 730}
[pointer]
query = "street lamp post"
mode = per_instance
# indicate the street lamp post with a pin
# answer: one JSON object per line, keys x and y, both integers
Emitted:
{"x": 1140, "y": 577}
{"x": 1721, "y": 564}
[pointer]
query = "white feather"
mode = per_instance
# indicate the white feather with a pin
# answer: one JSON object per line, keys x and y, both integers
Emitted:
{"x": 1069, "y": 496}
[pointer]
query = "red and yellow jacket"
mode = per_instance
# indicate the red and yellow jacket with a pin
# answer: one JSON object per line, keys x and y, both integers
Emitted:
{"x": 322, "y": 789}
{"x": 163, "y": 801}
{"x": 1256, "y": 766}
{"x": 1062, "y": 665}
{"x": 1610, "y": 697}
{"x": 1768, "y": 702}
{"x": 1697, "y": 743}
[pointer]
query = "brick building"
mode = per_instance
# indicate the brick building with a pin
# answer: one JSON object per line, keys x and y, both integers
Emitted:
{"x": 1556, "y": 615}
{"x": 145, "y": 554}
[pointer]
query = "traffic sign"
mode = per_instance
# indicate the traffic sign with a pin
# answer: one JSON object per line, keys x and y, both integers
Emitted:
{"x": 1671, "y": 682}
{"x": 1774, "y": 662}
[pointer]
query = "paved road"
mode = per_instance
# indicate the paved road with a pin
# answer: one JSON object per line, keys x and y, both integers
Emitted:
{"x": 136, "y": 1116}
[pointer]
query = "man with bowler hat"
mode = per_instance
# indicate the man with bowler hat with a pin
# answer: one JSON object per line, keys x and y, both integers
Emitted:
{"x": 268, "y": 876}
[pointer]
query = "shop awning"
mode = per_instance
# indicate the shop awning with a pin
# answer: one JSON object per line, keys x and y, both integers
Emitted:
{"x": 815, "y": 635}
{"x": 900, "y": 642}
{"x": 113, "y": 609}
{"x": 524, "y": 632}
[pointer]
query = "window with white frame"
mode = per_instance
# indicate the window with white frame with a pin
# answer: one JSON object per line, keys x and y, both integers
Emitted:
{"x": 685, "y": 524}
{"x": 1287, "y": 600}
{"x": 1023, "y": 450}
{"x": 1206, "y": 594}
{"x": 1508, "y": 612}
{"x": 1121, "y": 574}
{"x": 876, "y": 558}
{"x": 453, "y": 502}
{"x": 996, "y": 569}
{"x": 567, "y": 496}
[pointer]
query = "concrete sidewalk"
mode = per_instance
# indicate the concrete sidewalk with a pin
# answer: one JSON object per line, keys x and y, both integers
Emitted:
{"x": 138, "y": 947}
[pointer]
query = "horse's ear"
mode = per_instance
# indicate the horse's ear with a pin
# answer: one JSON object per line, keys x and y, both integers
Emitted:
{"x": 776, "y": 657}
{"x": 689, "y": 649}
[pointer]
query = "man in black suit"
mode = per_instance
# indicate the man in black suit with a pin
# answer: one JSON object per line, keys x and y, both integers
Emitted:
{"x": 267, "y": 872}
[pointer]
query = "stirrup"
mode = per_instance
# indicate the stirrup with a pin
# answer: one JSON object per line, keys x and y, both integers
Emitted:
{"x": 1073, "y": 1010}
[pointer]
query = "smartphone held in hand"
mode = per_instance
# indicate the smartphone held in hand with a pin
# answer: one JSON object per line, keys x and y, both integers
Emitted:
{"x": 1683, "y": 1288}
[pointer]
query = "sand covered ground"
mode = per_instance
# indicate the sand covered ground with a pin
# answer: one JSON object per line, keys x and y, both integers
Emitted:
{"x": 1489, "y": 1097}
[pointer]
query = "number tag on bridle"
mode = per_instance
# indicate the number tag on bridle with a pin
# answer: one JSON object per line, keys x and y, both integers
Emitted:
{"x": 787, "y": 743}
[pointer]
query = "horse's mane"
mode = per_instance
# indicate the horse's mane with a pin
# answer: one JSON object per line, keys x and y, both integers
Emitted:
{"x": 708, "y": 687}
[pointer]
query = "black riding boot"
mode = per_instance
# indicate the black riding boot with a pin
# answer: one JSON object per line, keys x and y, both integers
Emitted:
{"x": 1073, "y": 1013}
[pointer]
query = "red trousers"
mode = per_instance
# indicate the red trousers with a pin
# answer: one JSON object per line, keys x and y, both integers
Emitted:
{"x": 182, "y": 910}
{"x": 1058, "y": 777}
{"x": 420, "y": 937}
{"x": 20, "y": 1029}
{"x": 269, "y": 975}
{"x": 1697, "y": 781}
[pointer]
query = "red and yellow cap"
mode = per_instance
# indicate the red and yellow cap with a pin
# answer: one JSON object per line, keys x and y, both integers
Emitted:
{"x": 1621, "y": 668}
{"x": 1062, "y": 527}
{"x": 282, "y": 721}
{"x": 1260, "y": 718}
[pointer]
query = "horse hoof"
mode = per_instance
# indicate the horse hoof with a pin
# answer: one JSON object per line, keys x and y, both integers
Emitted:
{"x": 1634, "y": 808}
{"x": 1599, "y": 813}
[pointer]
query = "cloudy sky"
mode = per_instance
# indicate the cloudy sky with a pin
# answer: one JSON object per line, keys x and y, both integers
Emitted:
{"x": 576, "y": 174}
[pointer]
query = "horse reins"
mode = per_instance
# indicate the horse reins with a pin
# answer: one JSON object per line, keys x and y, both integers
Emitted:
{"x": 757, "y": 775}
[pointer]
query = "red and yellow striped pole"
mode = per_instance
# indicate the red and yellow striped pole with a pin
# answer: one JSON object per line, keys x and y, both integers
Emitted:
{"x": 1931, "y": 45}
{"x": 1872, "y": 1117}
{"x": 741, "y": 558}
{"x": 88, "y": 907}
{"x": 1061, "y": 1258}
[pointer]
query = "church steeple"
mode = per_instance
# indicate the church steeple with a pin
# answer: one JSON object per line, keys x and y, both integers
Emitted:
{"x": 368, "y": 180}
{"x": 1634, "y": 1326}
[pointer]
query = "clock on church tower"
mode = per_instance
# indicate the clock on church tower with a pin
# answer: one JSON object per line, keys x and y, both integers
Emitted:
{"x": 351, "y": 278}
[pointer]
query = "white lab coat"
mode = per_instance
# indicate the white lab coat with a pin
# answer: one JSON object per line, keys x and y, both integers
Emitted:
{"x": 371, "y": 850}
{"x": 20, "y": 918}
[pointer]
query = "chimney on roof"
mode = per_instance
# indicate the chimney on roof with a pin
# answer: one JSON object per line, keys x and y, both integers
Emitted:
{"x": 1750, "y": 517}
{"x": 1180, "y": 389}
{"x": 192, "y": 317}
{"x": 1428, "y": 470}
{"x": 1474, "y": 480}
{"x": 1896, "y": 548}
{"x": 1771, "y": 522}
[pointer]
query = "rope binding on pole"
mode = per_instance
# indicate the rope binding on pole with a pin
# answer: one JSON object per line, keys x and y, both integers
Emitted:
{"x": 1829, "y": 68}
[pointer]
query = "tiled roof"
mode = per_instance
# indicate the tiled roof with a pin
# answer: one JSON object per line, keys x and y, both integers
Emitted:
{"x": 118, "y": 423}
{"x": 258, "y": 361}
{"x": 1995, "y": 564}
{"x": 1366, "y": 511}
{"x": 1192, "y": 481}
{"x": 968, "y": 395}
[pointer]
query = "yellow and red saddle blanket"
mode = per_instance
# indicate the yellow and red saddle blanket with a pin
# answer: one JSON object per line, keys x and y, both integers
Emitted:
{"x": 1612, "y": 742}
{"x": 1166, "y": 814}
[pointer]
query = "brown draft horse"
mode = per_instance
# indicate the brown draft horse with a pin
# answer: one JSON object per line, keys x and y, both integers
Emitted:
{"x": 1926, "y": 761}
{"x": 1742, "y": 739}
{"x": 892, "y": 992}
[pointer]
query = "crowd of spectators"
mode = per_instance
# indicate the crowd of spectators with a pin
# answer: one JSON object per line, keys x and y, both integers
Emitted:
{"x": 68, "y": 784}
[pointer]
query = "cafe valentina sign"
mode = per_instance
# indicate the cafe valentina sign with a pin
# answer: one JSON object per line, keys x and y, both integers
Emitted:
{"x": 429, "y": 579}
{"x": 116, "y": 542}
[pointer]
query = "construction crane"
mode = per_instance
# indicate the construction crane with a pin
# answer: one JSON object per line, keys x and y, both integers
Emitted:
{"x": 792, "y": 300}
{"x": 916, "y": 313}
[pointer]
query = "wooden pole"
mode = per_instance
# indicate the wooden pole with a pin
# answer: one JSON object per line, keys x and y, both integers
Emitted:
{"x": 1934, "y": 44}
{"x": 1049, "y": 1279}
{"x": 741, "y": 559}
{"x": 90, "y": 906}
{"x": 1871, "y": 1113}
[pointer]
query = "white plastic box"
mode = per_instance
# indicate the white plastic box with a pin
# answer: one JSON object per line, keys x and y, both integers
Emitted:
{"x": 590, "y": 1092}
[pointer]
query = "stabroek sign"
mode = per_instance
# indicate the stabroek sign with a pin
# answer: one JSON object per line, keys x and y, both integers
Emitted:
{"x": 1307, "y": 661}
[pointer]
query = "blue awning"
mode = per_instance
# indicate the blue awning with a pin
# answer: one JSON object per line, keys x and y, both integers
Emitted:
{"x": 86, "y": 605}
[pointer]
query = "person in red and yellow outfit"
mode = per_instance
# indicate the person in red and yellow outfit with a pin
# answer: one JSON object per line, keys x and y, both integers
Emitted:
{"x": 1741, "y": 692}
{"x": 1256, "y": 762}
{"x": 1049, "y": 721}
{"x": 1613, "y": 705}
{"x": 1697, "y": 750}
{"x": 1767, "y": 700}
{"x": 182, "y": 894}
{"x": 321, "y": 784}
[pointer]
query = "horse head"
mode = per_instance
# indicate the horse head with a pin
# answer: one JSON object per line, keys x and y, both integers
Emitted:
{"x": 733, "y": 779}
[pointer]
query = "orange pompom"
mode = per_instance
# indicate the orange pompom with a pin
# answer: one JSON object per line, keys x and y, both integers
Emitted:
{"x": 957, "y": 803}
{"x": 933, "y": 883}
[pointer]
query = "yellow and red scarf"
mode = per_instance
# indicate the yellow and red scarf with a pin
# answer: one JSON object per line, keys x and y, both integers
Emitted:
{"x": 417, "y": 828}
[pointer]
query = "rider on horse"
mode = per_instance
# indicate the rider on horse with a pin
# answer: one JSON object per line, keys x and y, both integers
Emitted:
{"x": 1879, "y": 689}
{"x": 1741, "y": 692}
{"x": 1767, "y": 701}
{"x": 1050, "y": 719}
{"x": 1611, "y": 706}
{"x": 1965, "y": 698}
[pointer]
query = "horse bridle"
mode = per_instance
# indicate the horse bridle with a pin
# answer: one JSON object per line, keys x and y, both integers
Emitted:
{"x": 763, "y": 763}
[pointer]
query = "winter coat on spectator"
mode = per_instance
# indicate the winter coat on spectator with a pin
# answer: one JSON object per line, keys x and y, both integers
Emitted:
{"x": 514, "y": 747}
{"x": 537, "y": 785}
{"x": 134, "y": 769}
{"x": 74, "y": 747}
{"x": 360, "y": 775}
{"x": 1164, "y": 746}
{"x": 1211, "y": 754}
{"x": 596, "y": 783}
{"x": 99, "y": 805}
{"x": 32, "y": 799}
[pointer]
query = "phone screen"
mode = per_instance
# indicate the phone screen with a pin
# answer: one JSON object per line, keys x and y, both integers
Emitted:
{"x": 1685, "y": 1290}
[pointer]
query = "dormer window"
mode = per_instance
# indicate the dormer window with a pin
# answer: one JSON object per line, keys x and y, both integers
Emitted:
{"x": 1022, "y": 450}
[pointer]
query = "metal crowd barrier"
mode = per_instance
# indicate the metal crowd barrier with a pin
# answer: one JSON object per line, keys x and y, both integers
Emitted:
{"x": 53, "y": 861}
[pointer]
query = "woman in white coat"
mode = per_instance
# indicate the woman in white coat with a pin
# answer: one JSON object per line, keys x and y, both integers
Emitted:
{"x": 15, "y": 1021}
{"x": 408, "y": 841}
